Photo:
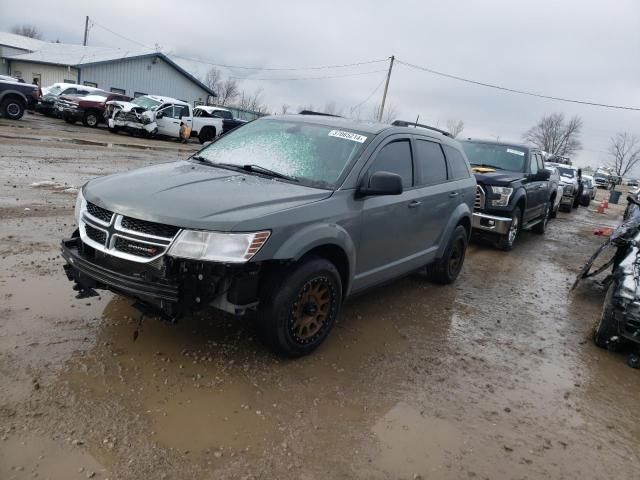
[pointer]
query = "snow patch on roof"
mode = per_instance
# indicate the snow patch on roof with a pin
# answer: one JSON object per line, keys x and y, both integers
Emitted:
{"x": 18, "y": 41}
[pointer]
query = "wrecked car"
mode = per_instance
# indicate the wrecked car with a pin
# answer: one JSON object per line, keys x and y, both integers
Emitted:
{"x": 285, "y": 216}
{"x": 151, "y": 115}
{"x": 619, "y": 322}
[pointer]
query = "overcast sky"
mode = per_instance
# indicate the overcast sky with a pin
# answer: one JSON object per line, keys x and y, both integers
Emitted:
{"x": 570, "y": 48}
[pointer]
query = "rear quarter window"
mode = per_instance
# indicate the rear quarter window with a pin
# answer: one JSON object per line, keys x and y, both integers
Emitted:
{"x": 458, "y": 168}
{"x": 431, "y": 162}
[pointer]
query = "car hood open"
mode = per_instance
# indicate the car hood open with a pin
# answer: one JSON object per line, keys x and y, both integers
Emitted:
{"x": 191, "y": 195}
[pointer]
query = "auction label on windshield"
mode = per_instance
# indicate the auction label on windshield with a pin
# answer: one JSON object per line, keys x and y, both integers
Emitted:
{"x": 516, "y": 152}
{"x": 354, "y": 137}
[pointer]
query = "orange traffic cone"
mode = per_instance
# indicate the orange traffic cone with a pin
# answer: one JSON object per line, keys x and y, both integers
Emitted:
{"x": 601, "y": 207}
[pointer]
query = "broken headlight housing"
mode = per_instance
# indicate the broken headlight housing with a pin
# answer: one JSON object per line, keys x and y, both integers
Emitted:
{"x": 81, "y": 205}
{"x": 218, "y": 247}
{"x": 504, "y": 196}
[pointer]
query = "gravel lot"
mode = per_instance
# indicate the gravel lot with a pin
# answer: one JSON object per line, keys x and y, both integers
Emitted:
{"x": 493, "y": 377}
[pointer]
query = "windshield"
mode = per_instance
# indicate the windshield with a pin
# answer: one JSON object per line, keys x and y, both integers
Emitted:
{"x": 567, "y": 172}
{"x": 54, "y": 90}
{"x": 502, "y": 157}
{"x": 313, "y": 154}
{"x": 146, "y": 102}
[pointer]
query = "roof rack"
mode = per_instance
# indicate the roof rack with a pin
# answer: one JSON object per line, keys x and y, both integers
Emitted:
{"x": 404, "y": 123}
{"x": 311, "y": 112}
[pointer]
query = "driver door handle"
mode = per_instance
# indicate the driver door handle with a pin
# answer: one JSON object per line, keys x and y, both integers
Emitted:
{"x": 414, "y": 204}
{"x": 453, "y": 194}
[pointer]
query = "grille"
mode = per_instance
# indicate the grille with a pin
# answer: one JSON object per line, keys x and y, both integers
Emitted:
{"x": 478, "y": 204}
{"x": 138, "y": 249}
{"x": 96, "y": 235}
{"x": 99, "y": 212}
{"x": 149, "y": 228}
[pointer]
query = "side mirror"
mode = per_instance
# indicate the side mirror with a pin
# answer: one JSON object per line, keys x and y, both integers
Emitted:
{"x": 543, "y": 174}
{"x": 381, "y": 183}
{"x": 159, "y": 115}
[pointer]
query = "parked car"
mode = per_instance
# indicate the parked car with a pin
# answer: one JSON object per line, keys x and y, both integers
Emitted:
{"x": 588, "y": 191}
{"x": 154, "y": 115}
{"x": 601, "y": 180}
{"x": 90, "y": 109}
{"x": 632, "y": 182}
{"x": 15, "y": 97}
{"x": 554, "y": 184}
{"x": 47, "y": 104}
{"x": 572, "y": 188}
{"x": 228, "y": 121}
{"x": 514, "y": 191}
{"x": 286, "y": 215}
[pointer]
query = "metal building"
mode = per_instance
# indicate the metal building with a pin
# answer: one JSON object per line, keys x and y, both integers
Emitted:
{"x": 129, "y": 72}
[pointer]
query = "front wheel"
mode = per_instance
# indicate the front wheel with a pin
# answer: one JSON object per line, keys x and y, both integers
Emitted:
{"x": 506, "y": 241}
{"x": 90, "y": 119}
{"x": 606, "y": 327}
{"x": 12, "y": 108}
{"x": 447, "y": 269}
{"x": 299, "y": 306}
{"x": 206, "y": 135}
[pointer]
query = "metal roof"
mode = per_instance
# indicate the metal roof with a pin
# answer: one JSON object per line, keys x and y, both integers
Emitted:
{"x": 79, "y": 56}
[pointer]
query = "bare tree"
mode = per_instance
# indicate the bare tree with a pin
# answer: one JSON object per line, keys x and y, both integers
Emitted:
{"x": 213, "y": 79}
{"x": 625, "y": 149}
{"x": 284, "y": 109}
{"x": 455, "y": 127}
{"x": 253, "y": 101}
{"x": 330, "y": 108}
{"x": 390, "y": 113}
{"x": 30, "y": 31}
{"x": 228, "y": 91}
{"x": 555, "y": 136}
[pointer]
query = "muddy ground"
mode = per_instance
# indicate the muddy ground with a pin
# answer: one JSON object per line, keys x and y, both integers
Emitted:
{"x": 491, "y": 378}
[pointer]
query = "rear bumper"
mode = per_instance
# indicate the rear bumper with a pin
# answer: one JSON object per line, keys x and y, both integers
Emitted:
{"x": 490, "y": 223}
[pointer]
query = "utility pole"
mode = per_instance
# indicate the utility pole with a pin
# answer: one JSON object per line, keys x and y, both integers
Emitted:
{"x": 386, "y": 87}
{"x": 86, "y": 30}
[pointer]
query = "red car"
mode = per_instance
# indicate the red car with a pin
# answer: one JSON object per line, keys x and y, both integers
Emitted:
{"x": 88, "y": 108}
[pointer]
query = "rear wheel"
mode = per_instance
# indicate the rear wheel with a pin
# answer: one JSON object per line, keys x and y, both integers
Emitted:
{"x": 12, "y": 108}
{"x": 207, "y": 134}
{"x": 447, "y": 269}
{"x": 506, "y": 241}
{"x": 299, "y": 306}
{"x": 541, "y": 226}
{"x": 90, "y": 119}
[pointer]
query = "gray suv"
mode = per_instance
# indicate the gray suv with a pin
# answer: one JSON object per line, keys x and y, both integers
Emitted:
{"x": 286, "y": 216}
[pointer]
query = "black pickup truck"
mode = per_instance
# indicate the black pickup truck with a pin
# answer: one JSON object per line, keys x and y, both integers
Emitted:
{"x": 15, "y": 97}
{"x": 513, "y": 190}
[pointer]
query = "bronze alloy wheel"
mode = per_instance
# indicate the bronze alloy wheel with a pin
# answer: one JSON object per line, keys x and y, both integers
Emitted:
{"x": 312, "y": 309}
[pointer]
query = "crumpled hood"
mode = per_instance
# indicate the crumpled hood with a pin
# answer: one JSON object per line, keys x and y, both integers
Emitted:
{"x": 499, "y": 178}
{"x": 190, "y": 195}
{"x": 126, "y": 106}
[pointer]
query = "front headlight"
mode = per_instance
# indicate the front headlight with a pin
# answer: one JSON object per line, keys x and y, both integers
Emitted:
{"x": 218, "y": 247}
{"x": 505, "y": 195}
{"x": 81, "y": 205}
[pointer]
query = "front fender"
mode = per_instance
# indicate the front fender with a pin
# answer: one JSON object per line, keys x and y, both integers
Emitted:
{"x": 312, "y": 236}
{"x": 18, "y": 93}
{"x": 520, "y": 194}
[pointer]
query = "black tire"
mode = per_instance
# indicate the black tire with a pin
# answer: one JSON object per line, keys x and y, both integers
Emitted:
{"x": 576, "y": 202}
{"x": 585, "y": 201}
{"x": 288, "y": 327}
{"x": 606, "y": 327}
{"x": 12, "y": 108}
{"x": 505, "y": 242}
{"x": 541, "y": 227}
{"x": 565, "y": 208}
{"x": 90, "y": 119}
{"x": 447, "y": 269}
{"x": 69, "y": 120}
{"x": 207, "y": 134}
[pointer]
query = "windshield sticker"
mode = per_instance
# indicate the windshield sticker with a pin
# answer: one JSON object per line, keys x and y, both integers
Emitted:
{"x": 354, "y": 137}
{"x": 516, "y": 152}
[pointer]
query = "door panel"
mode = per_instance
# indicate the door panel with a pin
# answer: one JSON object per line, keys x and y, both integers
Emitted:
{"x": 168, "y": 125}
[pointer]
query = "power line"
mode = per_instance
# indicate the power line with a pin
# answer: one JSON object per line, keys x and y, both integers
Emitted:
{"x": 356, "y": 107}
{"x": 353, "y": 74}
{"x": 513, "y": 90}
{"x": 93, "y": 22}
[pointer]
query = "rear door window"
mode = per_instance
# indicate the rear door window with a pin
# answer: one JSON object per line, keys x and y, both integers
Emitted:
{"x": 432, "y": 166}
{"x": 457, "y": 165}
{"x": 395, "y": 157}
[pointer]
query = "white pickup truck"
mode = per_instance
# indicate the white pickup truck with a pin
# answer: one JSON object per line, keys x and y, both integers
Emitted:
{"x": 153, "y": 115}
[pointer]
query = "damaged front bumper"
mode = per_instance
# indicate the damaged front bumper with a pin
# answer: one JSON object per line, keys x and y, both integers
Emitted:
{"x": 151, "y": 127}
{"x": 484, "y": 222}
{"x": 167, "y": 286}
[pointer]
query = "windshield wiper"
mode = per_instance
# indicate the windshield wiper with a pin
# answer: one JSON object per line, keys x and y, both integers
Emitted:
{"x": 251, "y": 167}
{"x": 486, "y": 165}
{"x": 200, "y": 158}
